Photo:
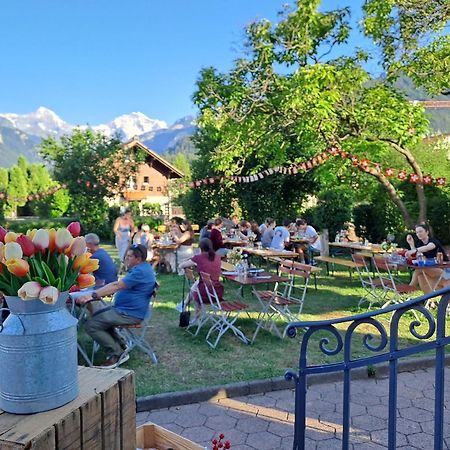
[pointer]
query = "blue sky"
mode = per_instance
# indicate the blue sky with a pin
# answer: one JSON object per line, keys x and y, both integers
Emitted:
{"x": 93, "y": 60}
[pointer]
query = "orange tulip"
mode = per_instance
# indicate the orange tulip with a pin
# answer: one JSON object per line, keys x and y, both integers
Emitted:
{"x": 85, "y": 280}
{"x": 81, "y": 260}
{"x": 52, "y": 240}
{"x": 90, "y": 266}
{"x": 18, "y": 267}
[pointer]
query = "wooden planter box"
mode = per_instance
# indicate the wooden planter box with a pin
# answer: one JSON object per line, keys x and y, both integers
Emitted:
{"x": 103, "y": 416}
{"x": 156, "y": 437}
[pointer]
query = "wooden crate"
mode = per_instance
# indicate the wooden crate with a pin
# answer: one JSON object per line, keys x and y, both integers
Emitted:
{"x": 154, "y": 436}
{"x": 103, "y": 416}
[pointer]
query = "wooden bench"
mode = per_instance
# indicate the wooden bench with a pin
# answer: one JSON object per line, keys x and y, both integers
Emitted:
{"x": 338, "y": 261}
{"x": 102, "y": 416}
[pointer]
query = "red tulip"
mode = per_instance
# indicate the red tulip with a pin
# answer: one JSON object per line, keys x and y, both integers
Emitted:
{"x": 27, "y": 245}
{"x": 74, "y": 288}
{"x": 74, "y": 228}
{"x": 2, "y": 234}
{"x": 18, "y": 267}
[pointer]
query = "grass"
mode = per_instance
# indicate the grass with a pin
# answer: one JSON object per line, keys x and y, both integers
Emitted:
{"x": 187, "y": 362}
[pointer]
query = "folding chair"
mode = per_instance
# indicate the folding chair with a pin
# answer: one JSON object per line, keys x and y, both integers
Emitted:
{"x": 373, "y": 287}
{"x": 286, "y": 300}
{"x": 193, "y": 291}
{"x": 395, "y": 291}
{"x": 223, "y": 314}
{"x": 135, "y": 335}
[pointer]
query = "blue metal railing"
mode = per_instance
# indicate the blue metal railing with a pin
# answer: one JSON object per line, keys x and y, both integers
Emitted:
{"x": 387, "y": 349}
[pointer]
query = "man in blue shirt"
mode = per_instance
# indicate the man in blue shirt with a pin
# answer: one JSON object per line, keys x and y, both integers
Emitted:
{"x": 107, "y": 270}
{"x": 131, "y": 300}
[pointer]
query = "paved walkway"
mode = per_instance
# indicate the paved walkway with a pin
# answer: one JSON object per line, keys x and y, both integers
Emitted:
{"x": 265, "y": 421}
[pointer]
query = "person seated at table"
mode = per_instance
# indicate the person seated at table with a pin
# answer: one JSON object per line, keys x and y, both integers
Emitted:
{"x": 256, "y": 232}
{"x": 308, "y": 233}
{"x": 207, "y": 261}
{"x": 217, "y": 239}
{"x": 267, "y": 234}
{"x": 107, "y": 270}
{"x": 184, "y": 242}
{"x": 131, "y": 300}
{"x": 350, "y": 233}
{"x": 174, "y": 227}
{"x": 428, "y": 278}
{"x": 244, "y": 230}
{"x": 281, "y": 236}
{"x": 145, "y": 237}
{"x": 205, "y": 232}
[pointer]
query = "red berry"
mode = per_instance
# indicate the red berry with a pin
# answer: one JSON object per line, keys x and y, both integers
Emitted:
{"x": 221, "y": 436}
{"x": 214, "y": 441}
{"x": 227, "y": 444}
{"x": 220, "y": 445}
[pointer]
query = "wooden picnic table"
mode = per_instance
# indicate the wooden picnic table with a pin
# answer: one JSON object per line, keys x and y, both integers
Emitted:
{"x": 270, "y": 252}
{"x": 370, "y": 248}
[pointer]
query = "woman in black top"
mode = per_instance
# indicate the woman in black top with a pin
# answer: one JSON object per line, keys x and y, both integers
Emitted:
{"x": 428, "y": 278}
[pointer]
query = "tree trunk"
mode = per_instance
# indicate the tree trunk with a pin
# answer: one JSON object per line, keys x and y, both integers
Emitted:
{"x": 421, "y": 199}
{"x": 392, "y": 194}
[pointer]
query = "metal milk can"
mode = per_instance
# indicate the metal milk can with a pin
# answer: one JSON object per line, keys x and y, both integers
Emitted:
{"x": 38, "y": 356}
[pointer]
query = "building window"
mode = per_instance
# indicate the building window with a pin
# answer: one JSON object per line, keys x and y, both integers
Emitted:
{"x": 159, "y": 189}
{"x": 143, "y": 188}
{"x": 150, "y": 188}
{"x": 146, "y": 179}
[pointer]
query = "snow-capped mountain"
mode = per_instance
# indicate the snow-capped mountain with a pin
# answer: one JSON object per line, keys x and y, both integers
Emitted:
{"x": 130, "y": 125}
{"x": 19, "y": 134}
{"x": 43, "y": 122}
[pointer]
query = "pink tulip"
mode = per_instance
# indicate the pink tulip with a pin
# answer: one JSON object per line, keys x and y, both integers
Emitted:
{"x": 27, "y": 245}
{"x": 41, "y": 240}
{"x": 74, "y": 228}
{"x": 3, "y": 232}
{"x": 49, "y": 295}
{"x": 30, "y": 290}
{"x": 12, "y": 250}
{"x": 18, "y": 267}
{"x": 78, "y": 247}
{"x": 63, "y": 239}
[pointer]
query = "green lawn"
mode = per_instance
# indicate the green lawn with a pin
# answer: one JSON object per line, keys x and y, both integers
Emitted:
{"x": 187, "y": 362}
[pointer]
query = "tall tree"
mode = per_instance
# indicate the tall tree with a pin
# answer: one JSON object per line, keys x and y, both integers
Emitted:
{"x": 288, "y": 99}
{"x": 413, "y": 38}
{"x": 93, "y": 167}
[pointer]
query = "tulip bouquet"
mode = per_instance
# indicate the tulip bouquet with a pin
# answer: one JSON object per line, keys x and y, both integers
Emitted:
{"x": 42, "y": 263}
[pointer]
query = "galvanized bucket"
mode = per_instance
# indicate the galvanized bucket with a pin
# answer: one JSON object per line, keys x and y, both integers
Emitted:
{"x": 38, "y": 356}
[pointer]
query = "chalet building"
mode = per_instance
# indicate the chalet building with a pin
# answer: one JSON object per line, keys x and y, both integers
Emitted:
{"x": 151, "y": 184}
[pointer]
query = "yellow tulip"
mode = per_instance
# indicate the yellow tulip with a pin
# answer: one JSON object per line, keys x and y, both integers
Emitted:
{"x": 31, "y": 233}
{"x": 51, "y": 239}
{"x": 90, "y": 266}
{"x": 81, "y": 260}
{"x": 10, "y": 236}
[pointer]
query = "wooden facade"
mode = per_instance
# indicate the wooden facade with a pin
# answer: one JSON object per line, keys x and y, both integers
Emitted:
{"x": 151, "y": 184}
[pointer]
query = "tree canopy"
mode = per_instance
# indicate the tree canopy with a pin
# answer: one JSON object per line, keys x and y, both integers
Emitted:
{"x": 287, "y": 99}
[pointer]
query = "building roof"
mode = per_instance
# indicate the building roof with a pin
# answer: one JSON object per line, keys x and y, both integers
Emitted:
{"x": 135, "y": 142}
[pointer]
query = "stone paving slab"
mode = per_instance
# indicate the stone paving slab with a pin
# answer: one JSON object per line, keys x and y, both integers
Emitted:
{"x": 266, "y": 421}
